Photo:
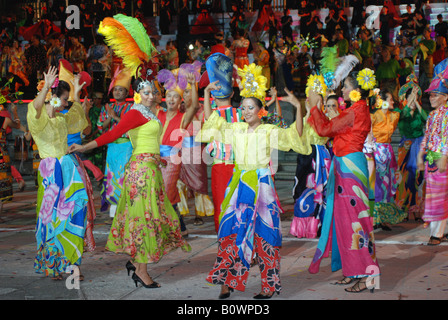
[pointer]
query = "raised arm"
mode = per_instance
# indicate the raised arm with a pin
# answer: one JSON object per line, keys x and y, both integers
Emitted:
{"x": 39, "y": 101}
{"x": 191, "y": 111}
{"x": 207, "y": 95}
{"x": 291, "y": 98}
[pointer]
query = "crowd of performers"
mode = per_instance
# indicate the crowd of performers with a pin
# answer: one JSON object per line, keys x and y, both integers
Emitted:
{"x": 348, "y": 179}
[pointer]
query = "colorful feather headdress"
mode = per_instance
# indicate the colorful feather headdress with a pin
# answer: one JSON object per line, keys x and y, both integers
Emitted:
{"x": 130, "y": 41}
{"x": 176, "y": 79}
{"x": 253, "y": 83}
{"x": 335, "y": 69}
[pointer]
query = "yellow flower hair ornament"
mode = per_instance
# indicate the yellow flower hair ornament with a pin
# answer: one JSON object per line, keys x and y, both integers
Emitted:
{"x": 253, "y": 83}
{"x": 366, "y": 79}
{"x": 137, "y": 98}
{"x": 317, "y": 84}
{"x": 355, "y": 95}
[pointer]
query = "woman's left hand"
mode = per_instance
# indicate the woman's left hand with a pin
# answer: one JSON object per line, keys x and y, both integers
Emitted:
{"x": 76, "y": 85}
{"x": 75, "y": 148}
{"x": 291, "y": 98}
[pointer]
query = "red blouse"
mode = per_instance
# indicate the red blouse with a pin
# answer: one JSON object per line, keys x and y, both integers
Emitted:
{"x": 130, "y": 120}
{"x": 172, "y": 134}
{"x": 349, "y": 129}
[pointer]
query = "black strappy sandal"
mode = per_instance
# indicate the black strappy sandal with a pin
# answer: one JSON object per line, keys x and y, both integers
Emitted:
{"x": 356, "y": 288}
{"x": 344, "y": 281}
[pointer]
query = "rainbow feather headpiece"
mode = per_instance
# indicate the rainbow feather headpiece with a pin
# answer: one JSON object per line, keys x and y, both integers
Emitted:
{"x": 130, "y": 41}
{"x": 253, "y": 83}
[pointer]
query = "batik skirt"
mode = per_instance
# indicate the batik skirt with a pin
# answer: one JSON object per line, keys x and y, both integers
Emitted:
{"x": 145, "y": 226}
{"x": 386, "y": 182}
{"x": 410, "y": 192}
{"x": 193, "y": 179}
{"x": 249, "y": 224}
{"x": 117, "y": 157}
{"x": 436, "y": 201}
{"x": 347, "y": 229}
{"x": 65, "y": 215}
{"x": 309, "y": 192}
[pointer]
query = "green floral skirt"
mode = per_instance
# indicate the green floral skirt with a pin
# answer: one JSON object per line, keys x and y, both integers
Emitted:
{"x": 145, "y": 226}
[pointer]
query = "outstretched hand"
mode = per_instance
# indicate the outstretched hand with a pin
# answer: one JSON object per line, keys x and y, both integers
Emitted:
{"x": 75, "y": 148}
{"x": 51, "y": 76}
{"x": 291, "y": 98}
{"x": 77, "y": 87}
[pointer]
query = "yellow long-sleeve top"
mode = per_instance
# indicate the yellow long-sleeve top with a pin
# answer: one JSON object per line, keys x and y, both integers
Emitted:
{"x": 253, "y": 150}
{"x": 50, "y": 134}
{"x": 312, "y": 136}
{"x": 384, "y": 125}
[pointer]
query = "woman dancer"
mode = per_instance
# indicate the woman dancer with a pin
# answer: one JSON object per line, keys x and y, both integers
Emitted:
{"x": 347, "y": 216}
{"x": 145, "y": 226}
{"x": 384, "y": 123}
{"x": 63, "y": 202}
{"x": 409, "y": 196}
{"x": 311, "y": 179}
{"x": 250, "y": 213}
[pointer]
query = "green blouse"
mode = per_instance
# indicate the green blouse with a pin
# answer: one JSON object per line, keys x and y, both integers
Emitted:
{"x": 412, "y": 126}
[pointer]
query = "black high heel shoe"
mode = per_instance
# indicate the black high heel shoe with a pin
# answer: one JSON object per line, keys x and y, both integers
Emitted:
{"x": 153, "y": 284}
{"x": 261, "y": 296}
{"x": 225, "y": 295}
{"x": 130, "y": 267}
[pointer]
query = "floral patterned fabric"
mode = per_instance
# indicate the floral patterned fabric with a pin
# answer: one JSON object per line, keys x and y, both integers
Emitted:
{"x": 146, "y": 225}
{"x": 62, "y": 208}
{"x": 230, "y": 270}
{"x": 347, "y": 229}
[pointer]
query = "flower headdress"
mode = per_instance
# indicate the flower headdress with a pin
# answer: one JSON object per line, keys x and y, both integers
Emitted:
{"x": 317, "y": 84}
{"x": 253, "y": 83}
{"x": 366, "y": 79}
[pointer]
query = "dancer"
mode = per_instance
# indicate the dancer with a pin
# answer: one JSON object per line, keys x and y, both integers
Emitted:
{"x": 193, "y": 172}
{"x": 347, "y": 215}
{"x": 409, "y": 196}
{"x": 120, "y": 150}
{"x": 64, "y": 198}
{"x": 384, "y": 123}
{"x": 433, "y": 156}
{"x": 174, "y": 124}
{"x": 311, "y": 178}
{"x": 145, "y": 226}
{"x": 218, "y": 76}
{"x": 250, "y": 212}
